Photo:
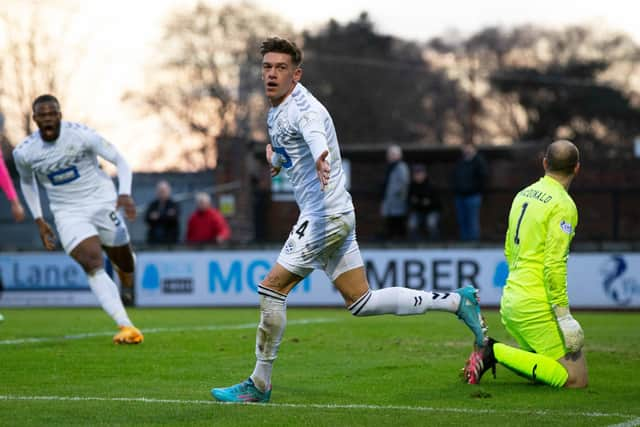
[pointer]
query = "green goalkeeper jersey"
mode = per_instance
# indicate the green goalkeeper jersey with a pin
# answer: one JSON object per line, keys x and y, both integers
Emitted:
{"x": 542, "y": 223}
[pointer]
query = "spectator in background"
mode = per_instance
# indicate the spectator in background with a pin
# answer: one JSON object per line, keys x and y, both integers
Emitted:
{"x": 206, "y": 224}
{"x": 162, "y": 216}
{"x": 424, "y": 205}
{"x": 396, "y": 190}
{"x": 469, "y": 178}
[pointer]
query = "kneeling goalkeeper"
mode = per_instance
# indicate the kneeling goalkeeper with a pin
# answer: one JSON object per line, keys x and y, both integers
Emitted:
{"x": 535, "y": 304}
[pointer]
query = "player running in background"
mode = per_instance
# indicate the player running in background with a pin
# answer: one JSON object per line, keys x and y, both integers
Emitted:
{"x": 84, "y": 203}
{"x": 9, "y": 190}
{"x": 535, "y": 304}
{"x": 304, "y": 143}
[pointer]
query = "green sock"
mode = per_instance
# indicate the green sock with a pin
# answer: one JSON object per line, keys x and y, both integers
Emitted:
{"x": 532, "y": 365}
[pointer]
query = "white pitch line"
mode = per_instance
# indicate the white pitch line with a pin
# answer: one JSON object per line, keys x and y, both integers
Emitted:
{"x": 631, "y": 423}
{"x": 326, "y": 406}
{"x": 155, "y": 330}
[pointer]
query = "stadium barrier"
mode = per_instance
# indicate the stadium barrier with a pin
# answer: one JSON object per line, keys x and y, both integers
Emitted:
{"x": 230, "y": 278}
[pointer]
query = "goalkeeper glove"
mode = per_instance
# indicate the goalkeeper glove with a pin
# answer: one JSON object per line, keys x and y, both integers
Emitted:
{"x": 571, "y": 329}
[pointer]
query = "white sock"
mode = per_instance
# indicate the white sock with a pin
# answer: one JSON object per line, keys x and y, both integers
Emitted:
{"x": 261, "y": 375}
{"x": 273, "y": 319}
{"x": 403, "y": 301}
{"x": 107, "y": 293}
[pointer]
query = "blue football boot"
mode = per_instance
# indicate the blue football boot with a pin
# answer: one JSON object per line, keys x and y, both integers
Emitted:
{"x": 246, "y": 391}
{"x": 469, "y": 313}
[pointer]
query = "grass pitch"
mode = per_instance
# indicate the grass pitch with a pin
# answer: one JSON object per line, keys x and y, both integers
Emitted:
{"x": 59, "y": 367}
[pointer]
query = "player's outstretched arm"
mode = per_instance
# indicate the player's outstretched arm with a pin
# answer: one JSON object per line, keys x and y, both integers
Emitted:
{"x": 7, "y": 186}
{"x": 108, "y": 151}
{"x": 314, "y": 134}
{"x": 17, "y": 210}
{"x": 46, "y": 234}
{"x": 30, "y": 192}
{"x": 126, "y": 202}
{"x": 273, "y": 160}
{"x": 323, "y": 168}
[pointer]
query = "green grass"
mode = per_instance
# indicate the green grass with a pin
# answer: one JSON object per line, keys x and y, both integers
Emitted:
{"x": 338, "y": 371}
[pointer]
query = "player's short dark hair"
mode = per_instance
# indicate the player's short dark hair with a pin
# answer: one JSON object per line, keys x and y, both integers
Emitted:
{"x": 280, "y": 45}
{"x": 44, "y": 98}
{"x": 562, "y": 157}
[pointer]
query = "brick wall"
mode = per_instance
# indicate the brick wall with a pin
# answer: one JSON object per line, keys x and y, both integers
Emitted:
{"x": 606, "y": 192}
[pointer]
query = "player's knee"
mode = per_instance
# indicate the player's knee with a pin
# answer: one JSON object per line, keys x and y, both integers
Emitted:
{"x": 125, "y": 265}
{"x": 271, "y": 300}
{"x": 577, "y": 382}
{"x": 90, "y": 262}
{"x": 124, "y": 260}
{"x": 577, "y": 371}
{"x": 577, "y": 379}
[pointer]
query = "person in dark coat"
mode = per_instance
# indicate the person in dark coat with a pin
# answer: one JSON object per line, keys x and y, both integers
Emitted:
{"x": 469, "y": 179}
{"x": 396, "y": 189}
{"x": 424, "y": 206}
{"x": 162, "y": 217}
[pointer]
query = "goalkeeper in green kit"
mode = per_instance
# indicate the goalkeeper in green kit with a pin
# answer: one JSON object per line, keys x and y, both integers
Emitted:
{"x": 535, "y": 305}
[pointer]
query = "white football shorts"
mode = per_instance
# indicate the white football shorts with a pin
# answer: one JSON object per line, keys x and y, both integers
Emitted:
{"x": 102, "y": 220}
{"x": 326, "y": 243}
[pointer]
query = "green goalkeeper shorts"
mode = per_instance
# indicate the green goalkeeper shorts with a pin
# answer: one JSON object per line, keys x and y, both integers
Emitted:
{"x": 534, "y": 328}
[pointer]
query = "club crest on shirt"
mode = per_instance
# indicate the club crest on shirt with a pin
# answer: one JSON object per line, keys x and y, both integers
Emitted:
{"x": 566, "y": 227}
{"x": 289, "y": 246}
{"x": 281, "y": 124}
{"x": 71, "y": 150}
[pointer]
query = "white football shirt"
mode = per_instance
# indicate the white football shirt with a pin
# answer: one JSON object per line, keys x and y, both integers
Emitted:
{"x": 68, "y": 168}
{"x": 300, "y": 128}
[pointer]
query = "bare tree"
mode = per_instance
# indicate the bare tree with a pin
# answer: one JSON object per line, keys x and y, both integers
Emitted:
{"x": 205, "y": 83}
{"x": 29, "y": 66}
{"x": 507, "y": 65}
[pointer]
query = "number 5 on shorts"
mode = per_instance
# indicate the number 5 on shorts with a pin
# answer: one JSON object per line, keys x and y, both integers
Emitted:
{"x": 114, "y": 217}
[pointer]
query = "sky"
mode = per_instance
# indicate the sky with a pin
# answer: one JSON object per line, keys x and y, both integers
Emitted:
{"x": 120, "y": 38}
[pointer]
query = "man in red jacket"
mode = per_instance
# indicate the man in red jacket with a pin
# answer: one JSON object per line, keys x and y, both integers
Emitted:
{"x": 207, "y": 224}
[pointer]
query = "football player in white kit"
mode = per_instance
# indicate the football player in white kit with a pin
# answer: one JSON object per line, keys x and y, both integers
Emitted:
{"x": 62, "y": 157}
{"x": 305, "y": 145}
